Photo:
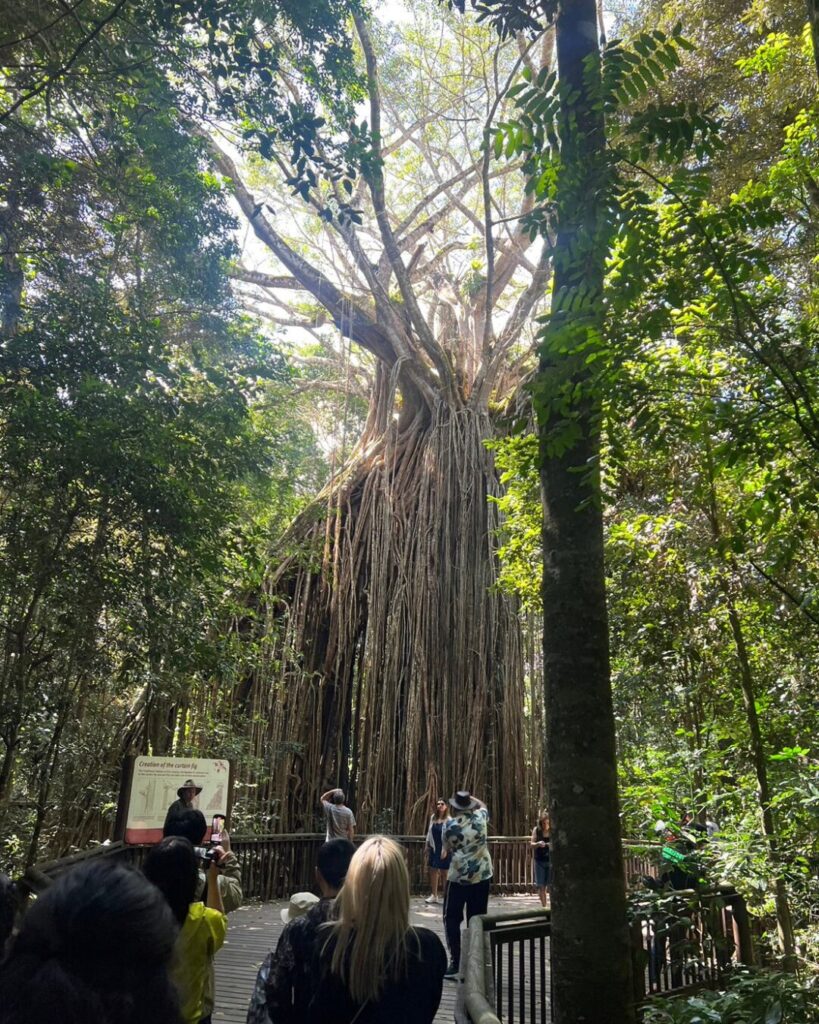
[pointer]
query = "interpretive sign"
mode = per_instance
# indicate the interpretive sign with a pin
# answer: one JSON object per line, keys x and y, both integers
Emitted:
{"x": 153, "y": 784}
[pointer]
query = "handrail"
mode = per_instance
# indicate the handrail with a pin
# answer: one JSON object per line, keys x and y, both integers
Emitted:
{"x": 274, "y": 865}
{"x": 478, "y": 974}
{"x": 713, "y": 935}
{"x": 287, "y": 836}
{"x": 38, "y": 877}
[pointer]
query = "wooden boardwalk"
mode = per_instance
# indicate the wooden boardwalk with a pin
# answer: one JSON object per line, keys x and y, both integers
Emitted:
{"x": 254, "y": 929}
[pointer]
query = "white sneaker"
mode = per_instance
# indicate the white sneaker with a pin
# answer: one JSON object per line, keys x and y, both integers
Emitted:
{"x": 431, "y": 899}
{"x": 439, "y": 899}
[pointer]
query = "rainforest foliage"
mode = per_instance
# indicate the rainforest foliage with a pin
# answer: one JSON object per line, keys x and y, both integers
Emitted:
{"x": 275, "y": 290}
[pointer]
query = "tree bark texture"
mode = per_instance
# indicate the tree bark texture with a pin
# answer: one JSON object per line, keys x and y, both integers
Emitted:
{"x": 397, "y": 667}
{"x": 591, "y": 962}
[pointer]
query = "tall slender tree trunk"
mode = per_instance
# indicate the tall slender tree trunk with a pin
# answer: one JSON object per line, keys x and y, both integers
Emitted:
{"x": 813, "y": 20}
{"x": 591, "y": 961}
{"x": 784, "y": 922}
{"x": 759, "y": 755}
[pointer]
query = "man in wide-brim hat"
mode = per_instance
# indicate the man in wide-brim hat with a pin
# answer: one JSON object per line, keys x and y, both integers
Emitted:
{"x": 470, "y": 869}
{"x": 186, "y": 794}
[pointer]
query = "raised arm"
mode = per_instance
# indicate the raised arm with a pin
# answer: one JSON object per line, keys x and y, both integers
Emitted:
{"x": 214, "y": 892}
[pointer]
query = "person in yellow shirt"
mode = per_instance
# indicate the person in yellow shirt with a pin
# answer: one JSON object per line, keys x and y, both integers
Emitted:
{"x": 173, "y": 867}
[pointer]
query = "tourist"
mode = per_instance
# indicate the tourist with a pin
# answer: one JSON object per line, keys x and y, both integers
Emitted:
{"x": 174, "y": 869}
{"x": 192, "y": 825}
{"x": 96, "y": 946}
{"x": 284, "y": 983}
{"x": 371, "y": 966}
{"x": 8, "y": 910}
{"x": 437, "y": 856}
{"x": 541, "y": 856}
{"x": 470, "y": 869}
{"x": 337, "y": 815}
{"x": 185, "y": 796}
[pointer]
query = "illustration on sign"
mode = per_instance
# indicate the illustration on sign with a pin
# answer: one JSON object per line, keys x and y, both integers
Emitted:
{"x": 164, "y": 786}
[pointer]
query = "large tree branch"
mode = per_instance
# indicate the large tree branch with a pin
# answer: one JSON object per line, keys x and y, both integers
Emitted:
{"x": 443, "y": 187}
{"x": 348, "y": 317}
{"x": 512, "y": 329}
{"x": 406, "y": 133}
{"x": 493, "y": 287}
{"x": 376, "y": 182}
{"x": 240, "y": 273}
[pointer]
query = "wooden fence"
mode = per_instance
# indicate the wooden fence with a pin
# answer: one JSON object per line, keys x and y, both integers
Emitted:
{"x": 686, "y": 941}
{"x": 275, "y": 866}
{"x": 689, "y": 940}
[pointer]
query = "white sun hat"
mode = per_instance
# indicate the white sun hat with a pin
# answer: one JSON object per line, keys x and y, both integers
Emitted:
{"x": 300, "y": 903}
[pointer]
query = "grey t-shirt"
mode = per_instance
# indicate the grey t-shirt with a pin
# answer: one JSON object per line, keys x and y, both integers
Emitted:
{"x": 339, "y": 818}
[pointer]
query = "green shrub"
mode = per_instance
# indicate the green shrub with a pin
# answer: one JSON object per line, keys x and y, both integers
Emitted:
{"x": 751, "y": 997}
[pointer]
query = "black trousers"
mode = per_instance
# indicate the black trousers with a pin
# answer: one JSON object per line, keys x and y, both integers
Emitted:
{"x": 475, "y": 898}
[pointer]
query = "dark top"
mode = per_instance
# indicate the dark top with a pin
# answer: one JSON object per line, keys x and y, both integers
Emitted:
{"x": 413, "y": 999}
{"x": 177, "y": 807}
{"x": 542, "y": 853}
{"x": 437, "y": 836}
{"x": 289, "y": 983}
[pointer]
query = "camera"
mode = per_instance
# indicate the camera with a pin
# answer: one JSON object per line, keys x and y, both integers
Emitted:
{"x": 205, "y": 853}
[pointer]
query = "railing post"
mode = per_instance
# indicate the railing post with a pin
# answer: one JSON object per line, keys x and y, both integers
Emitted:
{"x": 638, "y": 961}
{"x": 743, "y": 927}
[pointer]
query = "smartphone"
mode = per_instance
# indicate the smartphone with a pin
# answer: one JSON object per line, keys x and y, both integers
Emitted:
{"x": 216, "y": 827}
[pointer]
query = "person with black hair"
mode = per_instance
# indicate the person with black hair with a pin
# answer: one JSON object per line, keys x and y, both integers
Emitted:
{"x": 95, "y": 947}
{"x": 191, "y": 824}
{"x": 173, "y": 868}
{"x": 8, "y": 910}
{"x": 284, "y": 982}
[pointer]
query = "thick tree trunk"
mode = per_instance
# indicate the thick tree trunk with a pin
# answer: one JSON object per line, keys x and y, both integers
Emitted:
{"x": 397, "y": 670}
{"x": 591, "y": 962}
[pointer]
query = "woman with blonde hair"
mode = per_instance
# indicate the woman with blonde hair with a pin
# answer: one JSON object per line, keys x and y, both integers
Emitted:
{"x": 372, "y": 966}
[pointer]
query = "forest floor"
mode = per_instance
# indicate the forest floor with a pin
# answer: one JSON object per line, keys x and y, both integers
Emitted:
{"x": 255, "y": 928}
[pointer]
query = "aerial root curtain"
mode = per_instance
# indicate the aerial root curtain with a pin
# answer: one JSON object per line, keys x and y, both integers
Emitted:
{"x": 395, "y": 664}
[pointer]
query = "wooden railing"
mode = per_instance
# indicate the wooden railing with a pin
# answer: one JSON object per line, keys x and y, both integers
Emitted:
{"x": 276, "y": 866}
{"x": 686, "y": 942}
{"x": 505, "y": 965}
